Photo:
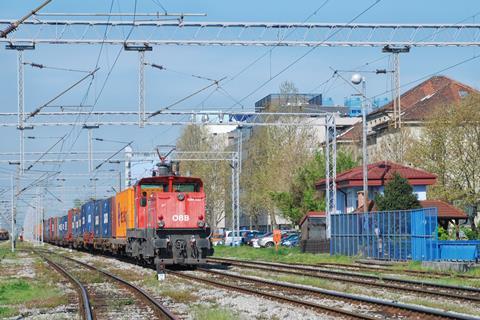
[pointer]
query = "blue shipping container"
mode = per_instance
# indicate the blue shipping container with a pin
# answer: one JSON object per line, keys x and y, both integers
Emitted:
{"x": 65, "y": 227}
{"x": 76, "y": 225}
{"x": 88, "y": 210}
{"x": 106, "y": 218}
{"x": 97, "y": 217}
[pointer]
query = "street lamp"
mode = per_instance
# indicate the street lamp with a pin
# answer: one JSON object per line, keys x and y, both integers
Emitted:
{"x": 356, "y": 80}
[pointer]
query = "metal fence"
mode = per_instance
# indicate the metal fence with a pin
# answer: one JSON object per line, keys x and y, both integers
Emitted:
{"x": 386, "y": 235}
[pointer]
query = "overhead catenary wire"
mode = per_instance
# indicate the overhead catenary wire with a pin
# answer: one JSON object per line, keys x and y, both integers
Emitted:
{"x": 474, "y": 57}
{"x": 45, "y": 153}
{"x": 36, "y": 111}
{"x": 232, "y": 78}
{"x": 113, "y": 155}
{"x": 161, "y": 67}
{"x": 216, "y": 82}
{"x": 263, "y": 84}
{"x": 42, "y": 66}
{"x": 106, "y": 78}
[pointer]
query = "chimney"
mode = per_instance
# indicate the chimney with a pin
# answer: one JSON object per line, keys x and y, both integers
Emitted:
{"x": 360, "y": 198}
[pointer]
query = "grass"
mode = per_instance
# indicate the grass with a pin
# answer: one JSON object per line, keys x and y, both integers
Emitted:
{"x": 284, "y": 255}
{"x": 182, "y": 296}
{"x": 33, "y": 293}
{"x": 40, "y": 291}
{"x": 6, "y": 312}
{"x": 214, "y": 313}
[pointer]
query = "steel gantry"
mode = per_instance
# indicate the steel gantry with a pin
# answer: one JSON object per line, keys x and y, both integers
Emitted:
{"x": 206, "y": 33}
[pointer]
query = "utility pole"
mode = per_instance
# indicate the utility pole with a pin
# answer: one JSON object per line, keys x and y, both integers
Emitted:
{"x": 237, "y": 176}
{"x": 12, "y": 230}
{"x": 397, "y": 107}
{"x": 233, "y": 197}
{"x": 141, "y": 79}
{"x": 357, "y": 79}
{"x": 21, "y": 99}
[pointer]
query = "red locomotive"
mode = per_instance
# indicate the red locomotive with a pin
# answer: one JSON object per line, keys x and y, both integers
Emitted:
{"x": 160, "y": 220}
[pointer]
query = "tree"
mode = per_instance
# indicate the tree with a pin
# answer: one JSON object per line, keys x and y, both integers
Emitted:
{"x": 302, "y": 196}
{"x": 288, "y": 94}
{"x": 398, "y": 195}
{"x": 393, "y": 145}
{"x": 273, "y": 156}
{"x": 449, "y": 147}
{"x": 214, "y": 174}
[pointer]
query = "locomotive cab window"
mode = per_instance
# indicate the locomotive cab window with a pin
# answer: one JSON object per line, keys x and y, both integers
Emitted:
{"x": 186, "y": 187}
{"x": 159, "y": 187}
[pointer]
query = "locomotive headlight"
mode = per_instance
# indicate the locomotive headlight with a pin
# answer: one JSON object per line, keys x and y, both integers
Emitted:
{"x": 201, "y": 223}
{"x": 181, "y": 196}
{"x": 161, "y": 223}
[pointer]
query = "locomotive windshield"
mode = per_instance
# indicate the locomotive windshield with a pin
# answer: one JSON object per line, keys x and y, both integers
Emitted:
{"x": 162, "y": 186}
{"x": 176, "y": 187}
{"x": 185, "y": 187}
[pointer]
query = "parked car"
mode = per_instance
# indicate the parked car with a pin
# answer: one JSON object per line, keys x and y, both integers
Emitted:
{"x": 291, "y": 241}
{"x": 254, "y": 241}
{"x": 249, "y": 235}
{"x": 267, "y": 242}
{"x": 230, "y": 240}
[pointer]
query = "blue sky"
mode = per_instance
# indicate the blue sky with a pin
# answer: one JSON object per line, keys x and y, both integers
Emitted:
{"x": 216, "y": 62}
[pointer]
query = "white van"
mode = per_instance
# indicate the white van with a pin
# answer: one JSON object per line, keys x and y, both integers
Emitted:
{"x": 230, "y": 240}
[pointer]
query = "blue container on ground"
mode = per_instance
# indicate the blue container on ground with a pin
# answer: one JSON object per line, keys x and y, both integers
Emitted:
{"x": 459, "y": 250}
{"x": 97, "y": 219}
{"x": 106, "y": 218}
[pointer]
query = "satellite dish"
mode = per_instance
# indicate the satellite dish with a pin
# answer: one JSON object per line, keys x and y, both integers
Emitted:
{"x": 357, "y": 78}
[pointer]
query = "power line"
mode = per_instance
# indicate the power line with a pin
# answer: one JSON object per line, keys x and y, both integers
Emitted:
{"x": 307, "y": 53}
{"x": 273, "y": 48}
{"x": 185, "y": 98}
{"x": 431, "y": 74}
{"x": 42, "y": 66}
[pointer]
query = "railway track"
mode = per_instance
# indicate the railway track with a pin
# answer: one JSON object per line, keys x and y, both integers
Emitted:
{"x": 432, "y": 289}
{"x": 103, "y": 301}
{"x": 363, "y": 267}
{"x": 85, "y": 306}
{"x": 341, "y": 303}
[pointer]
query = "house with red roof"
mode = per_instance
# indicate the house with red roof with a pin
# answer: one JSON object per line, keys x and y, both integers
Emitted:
{"x": 350, "y": 189}
{"x": 417, "y": 105}
{"x": 350, "y": 183}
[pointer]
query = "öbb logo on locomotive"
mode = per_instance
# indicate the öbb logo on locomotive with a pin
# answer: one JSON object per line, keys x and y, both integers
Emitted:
{"x": 144, "y": 221}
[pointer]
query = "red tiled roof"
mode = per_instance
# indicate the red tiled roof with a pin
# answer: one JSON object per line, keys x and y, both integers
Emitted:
{"x": 444, "y": 209}
{"x": 379, "y": 173}
{"x": 315, "y": 214}
{"x": 419, "y": 102}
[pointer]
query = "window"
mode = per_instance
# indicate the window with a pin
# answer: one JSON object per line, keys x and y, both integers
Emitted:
{"x": 162, "y": 186}
{"x": 185, "y": 187}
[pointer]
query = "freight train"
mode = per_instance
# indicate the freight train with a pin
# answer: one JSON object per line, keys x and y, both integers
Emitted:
{"x": 160, "y": 220}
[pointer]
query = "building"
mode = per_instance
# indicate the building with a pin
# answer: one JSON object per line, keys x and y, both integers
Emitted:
{"x": 350, "y": 189}
{"x": 350, "y": 183}
{"x": 294, "y": 100}
{"x": 294, "y": 103}
{"x": 417, "y": 105}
